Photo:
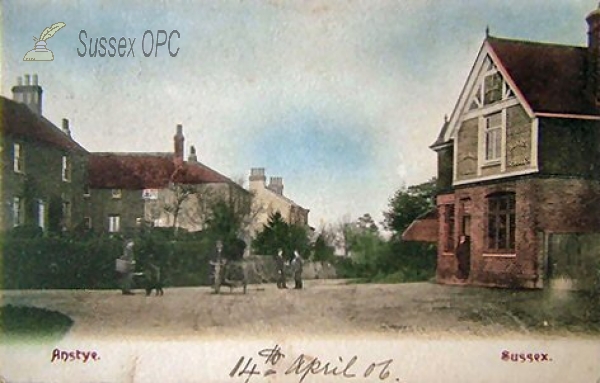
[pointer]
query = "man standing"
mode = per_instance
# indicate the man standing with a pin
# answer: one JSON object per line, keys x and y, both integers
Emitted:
{"x": 280, "y": 263}
{"x": 297, "y": 264}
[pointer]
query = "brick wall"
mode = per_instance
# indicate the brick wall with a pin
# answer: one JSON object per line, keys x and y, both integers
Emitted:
{"x": 542, "y": 206}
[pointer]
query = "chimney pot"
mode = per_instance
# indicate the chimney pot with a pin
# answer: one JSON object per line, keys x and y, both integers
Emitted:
{"x": 35, "y": 79}
{"x": 27, "y": 79}
{"x": 20, "y": 81}
{"x": 65, "y": 126}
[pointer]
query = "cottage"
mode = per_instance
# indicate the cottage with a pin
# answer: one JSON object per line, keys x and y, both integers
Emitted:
{"x": 518, "y": 162}
{"x": 160, "y": 189}
{"x": 43, "y": 169}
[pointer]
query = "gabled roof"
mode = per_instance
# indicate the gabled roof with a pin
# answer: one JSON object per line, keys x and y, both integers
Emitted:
{"x": 548, "y": 79}
{"x": 136, "y": 171}
{"x": 551, "y": 77}
{"x": 19, "y": 121}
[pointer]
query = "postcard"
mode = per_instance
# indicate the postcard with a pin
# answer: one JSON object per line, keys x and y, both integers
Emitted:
{"x": 251, "y": 191}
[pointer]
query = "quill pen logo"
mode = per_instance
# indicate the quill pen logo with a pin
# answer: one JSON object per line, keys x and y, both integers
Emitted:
{"x": 40, "y": 52}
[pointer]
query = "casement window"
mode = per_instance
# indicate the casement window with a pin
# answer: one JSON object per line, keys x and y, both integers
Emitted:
{"x": 18, "y": 211}
{"x": 116, "y": 193}
{"x": 493, "y": 137}
{"x": 449, "y": 228}
{"x": 41, "y": 214}
{"x": 86, "y": 190}
{"x": 501, "y": 222}
{"x": 66, "y": 168}
{"x": 114, "y": 223}
{"x": 18, "y": 158}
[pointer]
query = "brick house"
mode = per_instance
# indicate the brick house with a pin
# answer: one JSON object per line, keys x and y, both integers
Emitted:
{"x": 43, "y": 167}
{"x": 518, "y": 161}
{"x": 160, "y": 189}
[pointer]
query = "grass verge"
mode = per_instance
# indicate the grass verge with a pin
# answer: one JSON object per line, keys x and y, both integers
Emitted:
{"x": 31, "y": 323}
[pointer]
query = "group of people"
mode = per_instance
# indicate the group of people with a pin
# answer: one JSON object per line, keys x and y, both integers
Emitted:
{"x": 153, "y": 281}
{"x": 296, "y": 263}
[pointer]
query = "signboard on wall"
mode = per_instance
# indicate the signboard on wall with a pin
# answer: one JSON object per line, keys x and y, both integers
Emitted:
{"x": 150, "y": 194}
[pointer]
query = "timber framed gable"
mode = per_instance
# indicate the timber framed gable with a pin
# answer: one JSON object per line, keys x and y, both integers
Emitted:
{"x": 493, "y": 128}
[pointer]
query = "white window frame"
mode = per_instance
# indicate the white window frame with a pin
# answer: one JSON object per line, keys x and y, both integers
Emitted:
{"x": 87, "y": 222}
{"x": 18, "y": 158}
{"x": 66, "y": 168}
{"x": 116, "y": 193}
{"x": 114, "y": 223}
{"x": 41, "y": 214}
{"x": 493, "y": 153}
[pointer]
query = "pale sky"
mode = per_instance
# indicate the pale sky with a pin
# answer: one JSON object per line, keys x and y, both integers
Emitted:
{"x": 340, "y": 98}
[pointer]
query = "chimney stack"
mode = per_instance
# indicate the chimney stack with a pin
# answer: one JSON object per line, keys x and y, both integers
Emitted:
{"x": 593, "y": 20}
{"x": 179, "y": 139}
{"x": 257, "y": 178}
{"x": 29, "y": 93}
{"x": 192, "y": 157}
{"x": 65, "y": 127}
{"x": 276, "y": 185}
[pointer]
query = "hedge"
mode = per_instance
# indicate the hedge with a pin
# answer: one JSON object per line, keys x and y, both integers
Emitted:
{"x": 65, "y": 262}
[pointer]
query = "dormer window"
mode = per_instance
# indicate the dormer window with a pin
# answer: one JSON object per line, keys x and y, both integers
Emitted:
{"x": 66, "y": 168}
{"x": 116, "y": 193}
{"x": 18, "y": 158}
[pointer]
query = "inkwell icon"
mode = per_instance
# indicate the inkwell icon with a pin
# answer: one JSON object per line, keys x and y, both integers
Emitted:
{"x": 40, "y": 52}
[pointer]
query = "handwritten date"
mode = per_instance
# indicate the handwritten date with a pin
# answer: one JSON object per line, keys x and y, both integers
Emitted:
{"x": 305, "y": 366}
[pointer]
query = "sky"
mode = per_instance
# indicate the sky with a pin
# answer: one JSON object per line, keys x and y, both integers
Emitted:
{"x": 340, "y": 98}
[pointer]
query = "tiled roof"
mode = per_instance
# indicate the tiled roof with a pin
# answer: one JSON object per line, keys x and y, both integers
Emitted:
{"x": 19, "y": 121}
{"x": 423, "y": 229}
{"x": 136, "y": 171}
{"x": 551, "y": 77}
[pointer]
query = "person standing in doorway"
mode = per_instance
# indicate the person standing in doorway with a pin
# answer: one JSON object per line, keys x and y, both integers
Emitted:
{"x": 280, "y": 263}
{"x": 297, "y": 264}
{"x": 463, "y": 255}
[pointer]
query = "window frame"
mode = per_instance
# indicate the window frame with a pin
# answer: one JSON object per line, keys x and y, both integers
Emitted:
{"x": 493, "y": 138}
{"x": 18, "y": 211}
{"x": 501, "y": 223}
{"x": 114, "y": 223}
{"x": 42, "y": 208}
{"x": 66, "y": 168}
{"x": 450, "y": 225}
{"x": 116, "y": 193}
{"x": 18, "y": 158}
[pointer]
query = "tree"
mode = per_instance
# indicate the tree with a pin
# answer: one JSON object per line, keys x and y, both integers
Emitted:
{"x": 229, "y": 219}
{"x": 409, "y": 203}
{"x": 322, "y": 251}
{"x": 278, "y": 234}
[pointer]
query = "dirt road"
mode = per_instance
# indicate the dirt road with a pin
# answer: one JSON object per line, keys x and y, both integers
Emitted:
{"x": 323, "y": 307}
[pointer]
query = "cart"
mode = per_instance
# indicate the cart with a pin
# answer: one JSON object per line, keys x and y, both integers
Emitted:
{"x": 231, "y": 274}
